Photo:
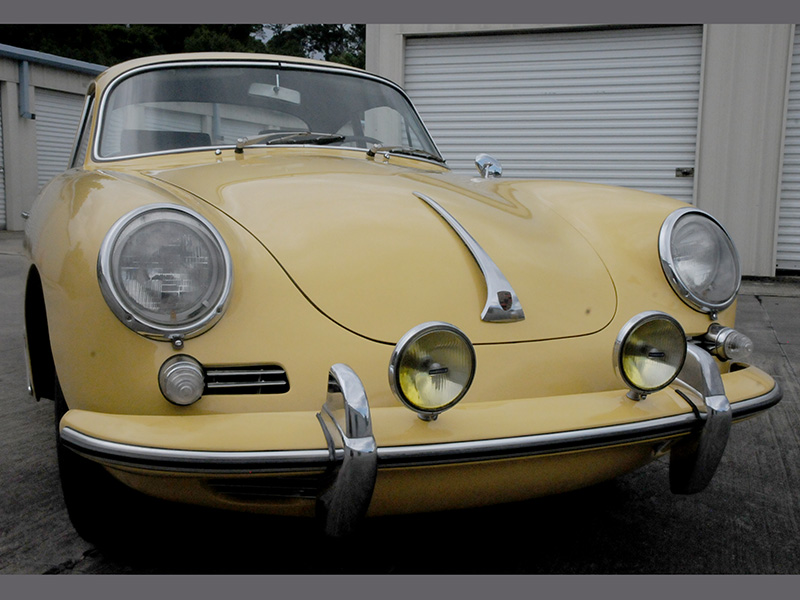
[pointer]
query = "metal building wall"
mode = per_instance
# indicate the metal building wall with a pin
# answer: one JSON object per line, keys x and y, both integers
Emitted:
{"x": 788, "y": 246}
{"x": 743, "y": 87}
{"x": 2, "y": 175}
{"x": 608, "y": 106}
{"x": 57, "y": 117}
{"x": 37, "y": 91}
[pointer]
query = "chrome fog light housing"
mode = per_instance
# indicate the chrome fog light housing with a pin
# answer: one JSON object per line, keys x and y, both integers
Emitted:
{"x": 432, "y": 368}
{"x": 182, "y": 380}
{"x": 649, "y": 352}
{"x": 699, "y": 260}
{"x": 727, "y": 343}
{"x": 165, "y": 272}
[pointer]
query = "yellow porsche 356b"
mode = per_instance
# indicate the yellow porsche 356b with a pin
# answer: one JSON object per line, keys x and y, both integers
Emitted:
{"x": 259, "y": 287}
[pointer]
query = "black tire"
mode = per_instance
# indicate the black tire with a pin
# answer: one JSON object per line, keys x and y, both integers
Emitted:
{"x": 98, "y": 505}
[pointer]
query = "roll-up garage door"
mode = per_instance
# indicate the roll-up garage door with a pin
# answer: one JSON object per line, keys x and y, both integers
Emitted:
{"x": 788, "y": 256}
{"x": 57, "y": 118}
{"x": 611, "y": 106}
{"x": 3, "y": 220}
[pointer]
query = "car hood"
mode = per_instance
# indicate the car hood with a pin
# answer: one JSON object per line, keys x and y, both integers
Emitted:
{"x": 360, "y": 244}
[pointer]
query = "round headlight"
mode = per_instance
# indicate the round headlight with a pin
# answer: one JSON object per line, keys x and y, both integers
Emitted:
{"x": 649, "y": 352}
{"x": 699, "y": 260}
{"x": 165, "y": 272}
{"x": 431, "y": 368}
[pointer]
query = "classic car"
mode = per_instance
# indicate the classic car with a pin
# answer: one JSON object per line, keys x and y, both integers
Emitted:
{"x": 259, "y": 287}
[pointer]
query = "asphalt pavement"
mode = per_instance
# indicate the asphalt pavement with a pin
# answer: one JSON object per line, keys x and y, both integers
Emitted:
{"x": 746, "y": 522}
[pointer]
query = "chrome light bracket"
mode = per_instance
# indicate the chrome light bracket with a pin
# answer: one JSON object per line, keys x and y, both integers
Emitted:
{"x": 347, "y": 425}
{"x": 694, "y": 459}
{"x": 502, "y": 304}
{"x": 716, "y": 338}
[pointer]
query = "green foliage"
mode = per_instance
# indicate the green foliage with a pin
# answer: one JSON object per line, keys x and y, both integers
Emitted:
{"x": 337, "y": 43}
{"x": 111, "y": 44}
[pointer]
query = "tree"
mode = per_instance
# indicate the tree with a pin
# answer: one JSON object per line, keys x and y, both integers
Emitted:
{"x": 337, "y": 43}
{"x": 111, "y": 44}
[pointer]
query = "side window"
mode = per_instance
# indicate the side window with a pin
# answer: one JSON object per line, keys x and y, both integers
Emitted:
{"x": 82, "y": 139}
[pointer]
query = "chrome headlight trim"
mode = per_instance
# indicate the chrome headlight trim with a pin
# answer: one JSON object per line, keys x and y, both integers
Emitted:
{"x": 405, "y": 343}
{"x": 209, "y": 310}
{"x": 682, "y": 288}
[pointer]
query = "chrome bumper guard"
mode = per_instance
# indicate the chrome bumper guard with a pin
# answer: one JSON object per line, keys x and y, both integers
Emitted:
{"x": 347, "y": 425}
{"x": 693, "y": 460}
{"x": 350, "y": 463}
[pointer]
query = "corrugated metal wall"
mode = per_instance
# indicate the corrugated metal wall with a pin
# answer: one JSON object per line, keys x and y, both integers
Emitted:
{"x": 788, "y": 256}
{"x": 3, "y": 220}
{"x": 57, "y": 117}
{"x": 613, "y": 106}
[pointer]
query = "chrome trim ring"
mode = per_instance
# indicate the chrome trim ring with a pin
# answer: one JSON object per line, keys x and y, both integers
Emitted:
{"x": 626, "y": 330}
{"x": 402, "y": 346}
{"x": 126, "y": 313}
{"x": 668, "y": 263}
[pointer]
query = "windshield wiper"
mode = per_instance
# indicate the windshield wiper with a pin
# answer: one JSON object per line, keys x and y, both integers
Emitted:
{"x": 291, "y": 137}
{"x": 404, "y": 150}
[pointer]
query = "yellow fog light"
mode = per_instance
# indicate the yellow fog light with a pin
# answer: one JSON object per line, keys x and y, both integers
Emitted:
{"x": 649, "y": 353}
{"x": 431, "y": 368}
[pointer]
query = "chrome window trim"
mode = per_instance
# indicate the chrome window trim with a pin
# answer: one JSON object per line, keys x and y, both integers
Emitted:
{"x": 209, "y": 462}
{"x": 668, "y": 265}
{"x": 84, "y": 126}
{"x": 134, "y": 321}
{"x": 280, "y": 64}
{"x": 496, "y": 282}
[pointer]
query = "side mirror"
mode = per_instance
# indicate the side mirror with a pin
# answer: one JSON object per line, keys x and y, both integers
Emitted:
{"x": 488, "y": 166}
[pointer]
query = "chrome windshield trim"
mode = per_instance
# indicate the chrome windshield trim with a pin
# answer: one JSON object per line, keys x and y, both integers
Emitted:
{"x": 502, "y": 304}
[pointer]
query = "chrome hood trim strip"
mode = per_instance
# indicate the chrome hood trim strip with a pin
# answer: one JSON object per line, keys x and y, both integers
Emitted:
{"x": 502, "y": 304}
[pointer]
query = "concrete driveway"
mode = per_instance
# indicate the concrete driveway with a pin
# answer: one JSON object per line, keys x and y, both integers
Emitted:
{"x": 747, "y": 521}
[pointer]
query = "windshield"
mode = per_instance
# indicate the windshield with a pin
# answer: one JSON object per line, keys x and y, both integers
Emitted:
{"x": 182, "y": 107}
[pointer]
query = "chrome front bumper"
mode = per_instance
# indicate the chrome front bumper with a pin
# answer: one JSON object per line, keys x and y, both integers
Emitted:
{"x": 343, "y": 475}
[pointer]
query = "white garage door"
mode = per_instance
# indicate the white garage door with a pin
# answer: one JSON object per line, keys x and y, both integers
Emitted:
{"x": 788, "y": 256}
{"x": 3, "y": 220}
{"x": 616, "y": 106}
{"x": 57, "y": 118}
